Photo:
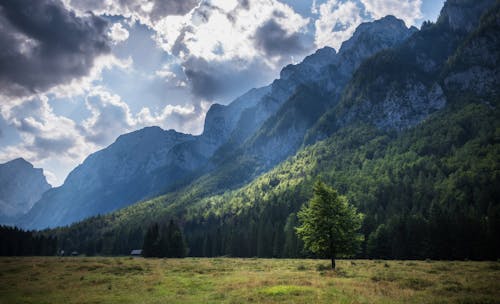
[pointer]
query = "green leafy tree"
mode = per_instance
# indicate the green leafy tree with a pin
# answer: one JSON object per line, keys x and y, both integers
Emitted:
{"x": 329, "y": 224}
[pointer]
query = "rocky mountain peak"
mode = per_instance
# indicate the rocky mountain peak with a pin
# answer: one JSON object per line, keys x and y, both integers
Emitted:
{"x": 21, "y": 185}
{"x": 371, "y": 37}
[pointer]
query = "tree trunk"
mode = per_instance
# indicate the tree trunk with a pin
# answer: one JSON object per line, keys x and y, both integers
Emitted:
{"x": 333, "y": 263}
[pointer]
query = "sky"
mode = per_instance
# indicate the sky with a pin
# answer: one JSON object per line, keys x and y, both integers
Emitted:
{"x": 75, "y": 74}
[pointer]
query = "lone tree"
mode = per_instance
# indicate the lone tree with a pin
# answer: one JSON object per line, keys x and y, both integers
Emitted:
{"x": 329, "y": 224}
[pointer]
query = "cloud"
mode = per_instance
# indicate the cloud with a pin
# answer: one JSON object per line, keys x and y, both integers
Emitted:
{"x": 44, "y": 45}
{"x": 234, "y": 35}
{"x": 226, "y": 47}
{"x": 273, "y": 40}
{"x": 118, "y": 33}
{"x": 162, "y": 8}
{"x": 337, "y": 22}
{"x": 109, "y": 118}
{"x": 210, "y": 80}
{"x": 408, "y": 10}
{"x": 145, "y": 11}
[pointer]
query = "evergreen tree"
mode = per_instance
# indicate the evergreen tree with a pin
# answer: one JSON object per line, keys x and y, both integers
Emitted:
{"x": 150, "y": 247}
{"x": 177, "y": 245}
{"x": 329, "y": 224}
{"x": 165, "y": 242}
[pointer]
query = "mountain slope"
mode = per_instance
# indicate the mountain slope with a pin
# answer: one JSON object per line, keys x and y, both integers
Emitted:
{"x": 21, "y": 186}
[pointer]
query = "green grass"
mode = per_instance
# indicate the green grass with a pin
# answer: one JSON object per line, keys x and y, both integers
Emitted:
{"x": 228, "y": 280}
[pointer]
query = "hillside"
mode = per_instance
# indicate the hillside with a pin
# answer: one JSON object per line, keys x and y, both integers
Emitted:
{"x": 413, "y": 141}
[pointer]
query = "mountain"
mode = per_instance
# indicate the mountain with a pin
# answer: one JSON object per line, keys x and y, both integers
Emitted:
{"x": 412, "y": 141}
{"x": 279, "y": 122}
{"x": 21, "y": 186}
{"x": 115, "y": 177}
{"x": 119, "y": 176}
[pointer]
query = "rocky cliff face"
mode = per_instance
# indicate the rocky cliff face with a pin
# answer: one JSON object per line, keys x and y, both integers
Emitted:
{"x": 400, "y": 87}
{"x": 474, "y": 69}
{"x": 21, "y": 186}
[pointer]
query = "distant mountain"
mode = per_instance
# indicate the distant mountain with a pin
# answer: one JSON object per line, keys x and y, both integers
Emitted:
{"x": 412, "y": 139}
{"x": 21, "y": 186}
{"x": 123, "y": 173}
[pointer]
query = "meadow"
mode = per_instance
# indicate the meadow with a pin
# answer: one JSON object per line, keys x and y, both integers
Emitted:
{"x": 230, "y": 280}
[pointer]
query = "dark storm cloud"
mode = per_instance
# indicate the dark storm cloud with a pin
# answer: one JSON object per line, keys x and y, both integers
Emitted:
{"x": 162, "y": 8}
{"x": 46, "y": 147}
{"x": 244, "y": 4}
{"x": 44, "y": 44}
{"x": 223, "y": 80}
{"x": 273, "y": 40}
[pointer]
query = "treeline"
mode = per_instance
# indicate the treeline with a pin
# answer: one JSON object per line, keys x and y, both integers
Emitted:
{"x": 17, "y": 242}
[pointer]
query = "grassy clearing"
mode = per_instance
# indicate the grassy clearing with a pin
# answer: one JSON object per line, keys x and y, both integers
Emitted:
{"x": 227, "y": 280}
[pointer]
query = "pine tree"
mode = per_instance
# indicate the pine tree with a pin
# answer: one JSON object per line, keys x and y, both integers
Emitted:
{"x": 150, "y": 247}
{"x": 329, "y": 224}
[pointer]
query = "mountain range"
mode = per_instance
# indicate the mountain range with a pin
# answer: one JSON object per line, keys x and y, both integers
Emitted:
{"x": 404, "y": 122}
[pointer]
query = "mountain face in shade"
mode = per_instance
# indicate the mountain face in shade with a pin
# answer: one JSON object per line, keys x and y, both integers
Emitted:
{"x": 125, "y": 172}
{"x": 21, "y": 186}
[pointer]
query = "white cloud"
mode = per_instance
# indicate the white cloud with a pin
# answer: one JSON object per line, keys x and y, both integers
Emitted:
{"x": 118, "y": 33}
{"x": 336, "y": 23}
{"x": 408, "y": 10}
{"x": 44, "y": 135}
{"x": 224, "y": 30}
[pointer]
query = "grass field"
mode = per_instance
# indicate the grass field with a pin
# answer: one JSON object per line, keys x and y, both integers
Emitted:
{"x": 227, "y": 280}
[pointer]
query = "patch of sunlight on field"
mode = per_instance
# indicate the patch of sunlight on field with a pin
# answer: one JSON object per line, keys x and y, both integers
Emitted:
{"x": 228, "y": 280}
